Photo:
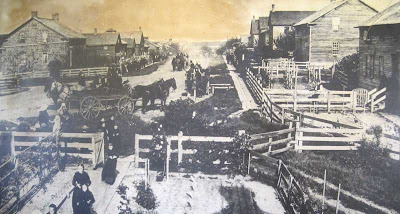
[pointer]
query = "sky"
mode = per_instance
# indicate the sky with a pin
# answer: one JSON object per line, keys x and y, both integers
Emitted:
{"x": 159, "y": 19}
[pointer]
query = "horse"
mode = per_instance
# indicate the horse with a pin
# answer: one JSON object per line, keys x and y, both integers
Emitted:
{"x": 58, "y": 92}
{"x": 156, "y": 90}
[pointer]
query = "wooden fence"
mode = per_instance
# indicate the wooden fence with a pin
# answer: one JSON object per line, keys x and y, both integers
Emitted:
{"x": 87, "y": 72}
{"x": 180, "y": 139}
{"x": 214, "y": 86}
{"x": 326, "y": 139}
{"x": 8, "y": 85}
{"x": 270, "y": 143}
{"x": 84, "y": 145}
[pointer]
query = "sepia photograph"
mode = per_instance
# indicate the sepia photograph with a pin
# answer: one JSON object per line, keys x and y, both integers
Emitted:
{"x": 200, "y": 107}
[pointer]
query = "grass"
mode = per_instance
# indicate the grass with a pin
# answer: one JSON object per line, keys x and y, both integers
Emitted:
{"x": 221, "y": 79}
{"x": 219, "y": 69}
{"x": 376, "y": 182}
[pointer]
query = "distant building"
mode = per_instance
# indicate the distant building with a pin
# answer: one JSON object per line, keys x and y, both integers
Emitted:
{"x": 281, "y": 22}
{"x": 136, "y": 36}
{"x": 254, "y": 32}
{"x": 379, "y": 39}
{"x": 328, "y": 35}
{"x": 263, "y": 31}
{"x": 104, "y": 48}
{"x": 38, "y": 41}
{"x": 245, "y": 39}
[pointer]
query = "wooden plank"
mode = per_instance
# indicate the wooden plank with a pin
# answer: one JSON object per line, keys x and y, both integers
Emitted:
{"x": 327, "y": 148}
{"x": 264, "y": 145}
{"x": 271, "y": 134}
{"x": 323, "y": 130}
{"x": 86, "y": 156}
{"x": 329, "y": 139}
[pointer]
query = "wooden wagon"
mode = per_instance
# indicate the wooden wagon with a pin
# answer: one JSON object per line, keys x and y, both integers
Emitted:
{"x": 91, "y": 102}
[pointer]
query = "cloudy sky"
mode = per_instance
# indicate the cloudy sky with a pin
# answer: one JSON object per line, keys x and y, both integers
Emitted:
{"x": 159, "y": 19}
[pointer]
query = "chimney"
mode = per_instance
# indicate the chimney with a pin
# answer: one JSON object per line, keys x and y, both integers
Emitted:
{"x": 56, "y": 17}
{"x": 95, "y": 31}
{"x": 273, "y": 8}
{"x": 140, "y": 28}
{"x": 34, "y": 14}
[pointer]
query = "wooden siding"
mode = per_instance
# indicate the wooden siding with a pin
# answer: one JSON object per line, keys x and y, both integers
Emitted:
{"x": 302, "y": 40}
{"x": 351, "y": 14}
{"x": 383, "y": 42}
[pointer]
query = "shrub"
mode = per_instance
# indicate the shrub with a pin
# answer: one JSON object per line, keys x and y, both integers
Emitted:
{"x": 349, "y": 65}
{"x": 145, "y": 197}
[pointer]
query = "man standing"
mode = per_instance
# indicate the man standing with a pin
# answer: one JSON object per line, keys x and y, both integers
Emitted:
{"x": 116, "y": 139}
{"x": 80, "y": 178}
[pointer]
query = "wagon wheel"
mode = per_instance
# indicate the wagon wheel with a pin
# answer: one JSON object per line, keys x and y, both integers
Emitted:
{"x": 90, "y": 107}
{"x": 126, "y": 105}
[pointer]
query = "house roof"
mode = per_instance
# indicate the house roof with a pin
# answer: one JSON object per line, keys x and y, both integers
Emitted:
{"x": 136, "y": 35}
{"x": 390, "y": 15}
{"x": 150, "y": 44}
{"x": 60, "y": 28}
{"x": 263, "y": 24}
{"x": 325, "y": 10}
{"x": 254, "y": 28}
{"x": 130, "y": 42}
{"x": 100, "y": 39}
{"x": 287, "y": 18}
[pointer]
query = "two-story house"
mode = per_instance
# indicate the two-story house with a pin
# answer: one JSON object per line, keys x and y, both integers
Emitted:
{"x": 36, "y": 42}
{"x": 328, "y": 35}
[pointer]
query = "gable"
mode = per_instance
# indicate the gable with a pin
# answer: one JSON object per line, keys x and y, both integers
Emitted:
{"x": 332, "y": 7}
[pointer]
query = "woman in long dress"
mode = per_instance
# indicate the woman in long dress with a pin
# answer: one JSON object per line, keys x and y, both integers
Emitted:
{"x": 108, "y": 174}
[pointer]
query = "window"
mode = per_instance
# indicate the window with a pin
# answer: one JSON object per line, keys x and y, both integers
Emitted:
{"x": 372, "y": 66}
{"x": 366, "y": 66}
{"x": 381, "y": 66}
{"x": 45, "y": 57}
{"x": 105, "y": 47}
{"x": 335, "y": 23}
{"x": 22, "y": 38}
{"x": 335, "y": 48}
{"x": 44, "y": 36}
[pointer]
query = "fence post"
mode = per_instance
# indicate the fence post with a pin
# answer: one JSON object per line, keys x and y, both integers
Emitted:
{"x": 102, "y": 148}
{"x": 137, "y": 150}
{"x": 372, "y": 103}
{"x": 94, "y": 152}
{"x": 323, "y": 193}
{"x": 354, "y": 94}
{"x": 337, "y": 201}
{"x": 13, "y": 143}
{"x": 329, "y": 101}
{"x": 248, "y": 164}
{"x": 270, "y": 145}
{"x": 145, "y": 174}
{"x": 283, "y": 115}
{"x": 180, "y": 147}
{"x": 290, "y": 133}
{"x": 168, "y": 156}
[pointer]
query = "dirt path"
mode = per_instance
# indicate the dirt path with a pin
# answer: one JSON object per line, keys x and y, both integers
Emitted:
{"x": 165, "y": 72}
{"x": 23, "y": 104}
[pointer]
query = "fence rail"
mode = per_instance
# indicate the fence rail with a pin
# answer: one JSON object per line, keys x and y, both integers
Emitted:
{"x": 89, "y": 72}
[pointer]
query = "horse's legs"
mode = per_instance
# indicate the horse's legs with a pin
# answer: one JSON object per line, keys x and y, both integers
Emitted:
{"x": 144, "y": 104}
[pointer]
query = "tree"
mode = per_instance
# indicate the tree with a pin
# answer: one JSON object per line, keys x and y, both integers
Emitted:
{"x": 20, "y": 62}
{"x": 207, "y": 51}
{"x": 227, "y": 45}
{"x": 286, "y": 43}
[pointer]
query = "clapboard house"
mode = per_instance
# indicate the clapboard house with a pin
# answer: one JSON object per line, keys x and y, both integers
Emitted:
{"x": 281, "y": 23}
{"x": 104, "y": 48}
{"x": 379, "y": 40}
{"x": 329, "y": 34}
{"x": 38, "y": 41}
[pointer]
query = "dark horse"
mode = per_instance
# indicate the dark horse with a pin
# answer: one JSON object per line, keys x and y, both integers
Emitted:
{"x": 156, "y": 90}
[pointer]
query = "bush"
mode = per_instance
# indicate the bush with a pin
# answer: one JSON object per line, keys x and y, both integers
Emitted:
{"x": 349, "y": 65}
{"x": 145, "y": 197}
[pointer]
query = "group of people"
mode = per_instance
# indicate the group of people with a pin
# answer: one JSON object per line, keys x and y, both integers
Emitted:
{"x": 82, "y": 197}
{"x": 180, "y": 61}
{"x": 133, "y": 64}
{"x": 113, "y": 79}
{"x": 197, "y": 77}
{"x": 112, "y": 143}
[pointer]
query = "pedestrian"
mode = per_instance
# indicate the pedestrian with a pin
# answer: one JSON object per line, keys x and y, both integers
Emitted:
{"x": 86, "y": 200}
{"x": 115, "y": 138}
{"x": 80, "y": 178}
{"x": 108, "y": 174}
{"x": 52, "y": 209}
{"x": 110, "y": 124}
{"x": 103, "y": 128}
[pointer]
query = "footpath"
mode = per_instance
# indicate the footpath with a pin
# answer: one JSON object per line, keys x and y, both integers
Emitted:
{"x": 245, "y": 97}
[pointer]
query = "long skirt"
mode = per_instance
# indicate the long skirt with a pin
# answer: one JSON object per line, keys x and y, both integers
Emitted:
{"x": 108, "y": 174}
